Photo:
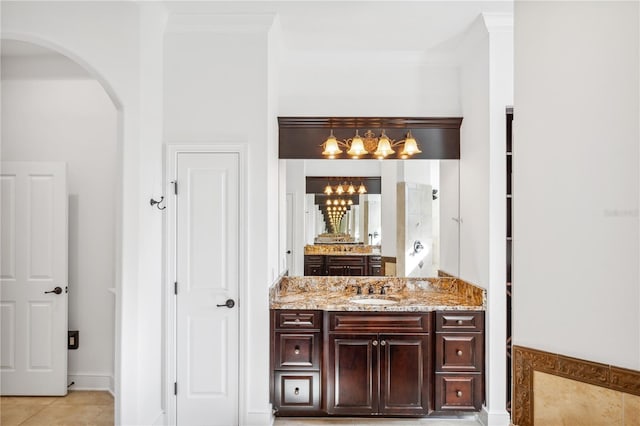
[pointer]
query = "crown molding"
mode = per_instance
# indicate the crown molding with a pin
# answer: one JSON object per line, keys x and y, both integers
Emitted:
{"x": 220, "y": 23}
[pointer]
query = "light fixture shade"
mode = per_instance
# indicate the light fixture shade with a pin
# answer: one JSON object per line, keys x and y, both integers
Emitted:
{"x": 351, "y": 189}
{"x": 331, "y": 147}
{"x": 362, "y": 189}
{"x": 335, "y": 202}
{"x": 328, "y": 202}
{"x": 350, "y": 202}
{"x": 357, "y": 147}
{"x": 328, "y": 190}
{"x": 339, "y": 190}
{"x": 384, "y": 147}
{"x": 410, "y": 147}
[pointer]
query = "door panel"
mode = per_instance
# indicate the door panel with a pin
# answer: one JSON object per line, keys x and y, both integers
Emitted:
{"x": 34, "y": 261}
{"x": 207, "y": 275}
{"x": 405, "y": 375}
{"x": 353, "y": 369}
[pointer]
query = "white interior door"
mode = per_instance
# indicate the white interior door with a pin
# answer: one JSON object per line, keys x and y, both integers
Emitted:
{"x": 207, "y": 276}
{"x": 33, "y": 227}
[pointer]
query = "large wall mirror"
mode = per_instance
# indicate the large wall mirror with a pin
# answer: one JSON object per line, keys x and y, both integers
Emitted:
{"x": 410, "y": 219}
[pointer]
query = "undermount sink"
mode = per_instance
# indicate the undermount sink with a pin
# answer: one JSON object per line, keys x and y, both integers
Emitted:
{"x": 374, "y": 301}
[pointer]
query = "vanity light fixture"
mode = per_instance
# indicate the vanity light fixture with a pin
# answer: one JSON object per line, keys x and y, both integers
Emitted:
{"x": 342, "y": 188}
{"x": 380, "y": 147}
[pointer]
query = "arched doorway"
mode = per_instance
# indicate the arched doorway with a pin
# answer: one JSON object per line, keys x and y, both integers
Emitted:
{"x": 55, "y": 109}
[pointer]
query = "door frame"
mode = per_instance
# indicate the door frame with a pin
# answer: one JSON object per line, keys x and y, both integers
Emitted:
{"x": 171, "y": 152}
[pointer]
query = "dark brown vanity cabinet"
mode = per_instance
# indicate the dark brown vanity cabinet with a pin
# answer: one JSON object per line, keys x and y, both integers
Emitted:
{"x": 342, "y": 265}
{"x": 459, "y": 360}
{"x": 296, "y": 347}
{"x": 378, "y": 364}
{"x": 375, "y": 266}
{"x": 347, "y": 265}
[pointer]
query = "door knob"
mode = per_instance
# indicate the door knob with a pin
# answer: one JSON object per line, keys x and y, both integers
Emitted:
{"x": 229, "y": 304}
{"x": 288, "y": 251}
{"x": 57, "y": 290}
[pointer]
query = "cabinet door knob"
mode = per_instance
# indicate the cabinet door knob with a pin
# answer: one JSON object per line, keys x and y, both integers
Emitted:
{"x": 296, "y": 350}
{"x": 459, "y": 352}
{"x": 296, "y": 391}
{"x": 383, "y": 342}
{"x": 374, "y": 343}
{"x": 459, "y": 322}
{"x": 458, "y": 394}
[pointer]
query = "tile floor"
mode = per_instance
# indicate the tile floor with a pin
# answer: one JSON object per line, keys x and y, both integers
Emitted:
{"x": 77, "y": 408}
{"x": 96, "y": 409}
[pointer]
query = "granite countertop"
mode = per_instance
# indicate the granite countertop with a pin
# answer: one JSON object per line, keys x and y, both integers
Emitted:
{"x": 405, "y": 294}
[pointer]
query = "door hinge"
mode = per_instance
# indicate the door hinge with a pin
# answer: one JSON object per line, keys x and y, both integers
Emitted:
{"x": 175, "y": 287}
{"x": 175, "y": 186}
{"x": 175, "y": 388}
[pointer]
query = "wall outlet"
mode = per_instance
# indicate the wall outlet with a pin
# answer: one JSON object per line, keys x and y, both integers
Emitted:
{"x": 74, "y": 336}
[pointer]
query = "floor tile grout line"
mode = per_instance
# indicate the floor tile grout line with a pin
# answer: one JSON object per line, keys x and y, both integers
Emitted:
{"x": 37, "y": 412}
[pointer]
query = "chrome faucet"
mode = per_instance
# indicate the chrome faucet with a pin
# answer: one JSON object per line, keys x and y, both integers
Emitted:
{"x": 383, "y": 289}
{"x": 371, "y": 290}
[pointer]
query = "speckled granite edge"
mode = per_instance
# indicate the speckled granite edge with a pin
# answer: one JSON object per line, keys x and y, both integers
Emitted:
{"x": 411, "y": 294}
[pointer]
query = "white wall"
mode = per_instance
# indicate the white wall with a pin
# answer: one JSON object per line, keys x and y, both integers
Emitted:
{"x": 474, "y": 158}
{"x": 105, "y": 39}
{"x": 576, "y": 182}
{"x": 486, "y": 86}
{"x": 216, "y": 90}
{"x": 71, "y": 119}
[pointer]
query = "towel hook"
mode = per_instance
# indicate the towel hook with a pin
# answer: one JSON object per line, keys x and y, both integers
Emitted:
{"x": 157, "y": 203}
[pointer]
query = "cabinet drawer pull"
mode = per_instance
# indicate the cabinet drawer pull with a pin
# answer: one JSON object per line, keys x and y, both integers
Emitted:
{"x": 383, "y": 342}
{"x": 458, "y": 394}
{"x": 459, "y": 322}
{"x": 297, "y": 320}
{"x": 296, "y": 350}
{"x": 374, "y": 343}
{"x": 297, "y": 391}
{"x": 459, "y": 352}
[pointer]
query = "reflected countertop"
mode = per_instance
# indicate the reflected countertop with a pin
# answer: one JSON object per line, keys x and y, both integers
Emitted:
{"x": 401, "y": 294}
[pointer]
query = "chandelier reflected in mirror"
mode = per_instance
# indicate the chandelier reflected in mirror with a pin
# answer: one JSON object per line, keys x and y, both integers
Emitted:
{"x": 378, "y": 146}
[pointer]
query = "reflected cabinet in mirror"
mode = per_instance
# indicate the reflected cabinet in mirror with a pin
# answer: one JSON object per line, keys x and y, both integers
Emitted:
{"x": 371, "y": 217}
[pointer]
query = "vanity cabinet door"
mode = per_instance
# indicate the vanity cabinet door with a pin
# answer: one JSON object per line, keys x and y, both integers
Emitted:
{"x": 405, "y": 375}
{"x": 352, "y": 374}
{"x": 375, "y": 266}
{"x": 314, "y": 265}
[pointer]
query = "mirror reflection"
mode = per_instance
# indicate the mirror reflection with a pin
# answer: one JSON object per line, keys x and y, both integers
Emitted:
{"x": 407, "y": 228}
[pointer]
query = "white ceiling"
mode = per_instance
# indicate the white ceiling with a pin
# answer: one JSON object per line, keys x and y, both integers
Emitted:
{"x": 341, "y": 27}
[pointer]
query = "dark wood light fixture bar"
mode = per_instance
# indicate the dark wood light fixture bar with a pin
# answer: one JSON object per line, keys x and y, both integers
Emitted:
{"x": 301, "y": 137}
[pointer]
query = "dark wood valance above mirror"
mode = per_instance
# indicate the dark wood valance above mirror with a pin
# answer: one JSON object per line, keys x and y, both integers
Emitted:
{"x": 316, "y": 184}
{"x": 302, "y": 137}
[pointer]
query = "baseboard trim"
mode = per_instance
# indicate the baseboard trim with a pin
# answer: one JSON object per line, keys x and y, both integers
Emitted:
{"x": 258, "y": 418}
{"x": 495, "y": 418}
{"x": 90, "y": 381}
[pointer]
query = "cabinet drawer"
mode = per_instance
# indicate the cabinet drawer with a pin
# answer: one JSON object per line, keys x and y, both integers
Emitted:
{"x": 458, "y": 392}
{"x": 346, "y": 260}
{"x": 297, "y": 350}
{"x": 297, "y": 391}
{"x": 459, "y": 352}
{"x": 298, "y": 319}
{"x": 459, "y": 321}
{"x": 379, "y": 322}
